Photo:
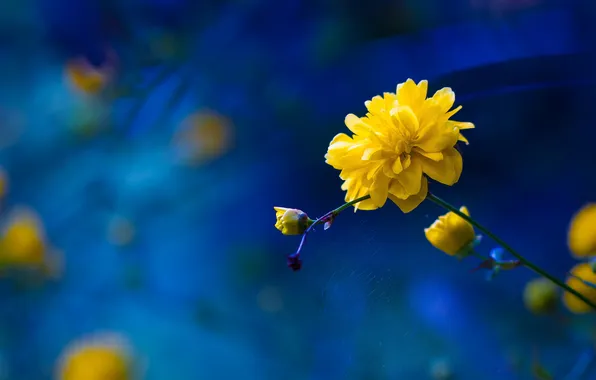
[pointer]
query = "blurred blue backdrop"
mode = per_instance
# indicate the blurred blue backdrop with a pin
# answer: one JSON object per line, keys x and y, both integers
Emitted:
{"x": 203, "y": 291}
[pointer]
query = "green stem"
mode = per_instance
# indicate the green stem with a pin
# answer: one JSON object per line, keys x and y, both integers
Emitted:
{"x": 325, "y": 218}
{"x": 521, "y": 258}
{"x": 348, "y": 204}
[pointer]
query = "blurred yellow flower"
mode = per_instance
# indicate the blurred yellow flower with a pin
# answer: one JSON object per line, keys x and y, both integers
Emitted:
{"x": 291, "y": 221}
{"x": 580, "y": 272}
{"x": 452, "y": 234}
{"x": 582, "y": 232}
{"x": 86, "y": 78}
{"x": 541, "y": 296}
{"x": 23, "y": 244}
{"x": 203, "y": 136}
{"x": 403, "y": 138}
{"x": 96, "y": 358}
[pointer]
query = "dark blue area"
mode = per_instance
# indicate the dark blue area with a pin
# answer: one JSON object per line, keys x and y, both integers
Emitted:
{"x": 204, "y": 284}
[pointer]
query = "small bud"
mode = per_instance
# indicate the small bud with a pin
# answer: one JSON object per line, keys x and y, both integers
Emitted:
{"x": 291, "y": 221}
{"x": 451, "y": 233}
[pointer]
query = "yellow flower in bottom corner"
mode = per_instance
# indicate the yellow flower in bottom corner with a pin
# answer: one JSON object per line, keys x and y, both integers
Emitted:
{"x": 97, "y": 358}
{"x": 404, "y": 138}
{"x": 581, "y": 279}
{"x": 581, "y": 238}
{"x": 541, "y": 296}
{"x": 291, "y": 221}
{"x": 451, "y": 234}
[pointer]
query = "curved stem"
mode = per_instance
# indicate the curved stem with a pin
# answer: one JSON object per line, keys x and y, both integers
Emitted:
{"x": 521, "y": 258}
{"x": 294, "y": 261}
{"x": 332, "y": 213}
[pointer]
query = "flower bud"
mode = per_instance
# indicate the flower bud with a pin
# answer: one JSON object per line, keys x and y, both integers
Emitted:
{"x": 291, "y": 221}
{"x": 451, "y": 233}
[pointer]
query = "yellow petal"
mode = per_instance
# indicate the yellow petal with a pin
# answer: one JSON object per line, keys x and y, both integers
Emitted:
{"x": 435, "y": 156}
{"x": 411, "y": 178}
{"x": 451, "y": 233}
{"x": 461, "y": 124}
{"x": 397, "y": 190}
{"x": 366, "y": 205}
{"x": 279, "y": 211}
{"x": 447, "y": 171}
{"x": 379, "y": 189}
{"x": 404, "y": 116}
{"x": 442, "y": 241}
{"x": 356, "y": 125}
{"x": 376, "y": 105}
{"x": 436, "y": 136}
{"x": 445, "y": 98}
{"x": 453, "y": 112}
{"x": 574, "y": 304}
{"x": 397, "y": 166}
{"x": 371, "y": 153}
{"x": 409, "y": 94}
{"x": 582, "y": 232}
{"x": 409, "y": 204}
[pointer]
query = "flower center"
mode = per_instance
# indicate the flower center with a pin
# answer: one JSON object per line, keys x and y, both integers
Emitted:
{"x": 403, "y": 148}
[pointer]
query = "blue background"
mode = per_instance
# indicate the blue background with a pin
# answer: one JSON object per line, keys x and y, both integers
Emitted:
{"x": 374, "y": 299}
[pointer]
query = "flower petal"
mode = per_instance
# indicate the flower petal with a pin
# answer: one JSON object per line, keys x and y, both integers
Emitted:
{"x": 461, "y": 124}
{"x": 581, "y": 237}
{"x": 405, "y": 117}
{"x": 411, "y": 178}
{"x": 436, "y": 137}
{"x": 435, "y": 156}
{"x": 409, "y": 204}
{"x": 447, "y": 171}
{"x": 379, "y": 189}
{"x": 445, "y": 98}
{"x": 574, "y": 304}
{"x": 410, "y": 94}
{"x": 356, "y": 125}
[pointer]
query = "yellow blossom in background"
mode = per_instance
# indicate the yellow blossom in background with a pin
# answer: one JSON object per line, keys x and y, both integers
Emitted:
{"x": 23, "y": 244}
{"x": 86, "y": 78}
{"x": 541, "y": 296}
{"x": 291, "y": 221}
{"x": 582, "y": 232}
{"x": 203, "y": 136}
{"x": 98, "y": 357}
{"x": 451, "y": 234}
{"x": 403, "y": 138}
{"x": 580, "y": 272}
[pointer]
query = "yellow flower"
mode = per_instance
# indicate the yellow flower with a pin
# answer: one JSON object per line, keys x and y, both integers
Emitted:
{"x": 451, "y": 234}
{"x": 23, "y": 241}
{"x": 582, "y": 232}
{"x": 291, "y": 221}
{"x": 84, "y": 77}
{"x": 584, "y": 272}
{"x": 96, "y": 358}
{"x": 540, "y": 296}
{"x": 23, "y": 245}
{"x": 203, "y": 136}
{"x": 403, "y": 138}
